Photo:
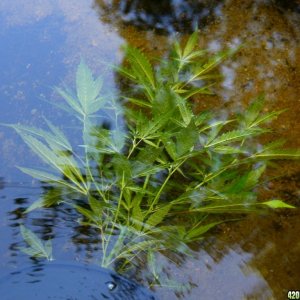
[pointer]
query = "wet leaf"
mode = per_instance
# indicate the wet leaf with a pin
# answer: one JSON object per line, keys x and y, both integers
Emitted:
{"x": 37, "y": 247}
{"x": 277, "y": 204}
{"x": 96, "y": 205}
{"x": 233, "y": 136}
{"x": 158, "y": 216}
{"x": 185, "y": 111}
{"x": 278, "y": 154}
{"x": 253, "y": 110}
{"x": 71, "y": 100}
{"x": 196, "y": 233}
{"x": 191, "y": 44}
{"x": 87, "y": 89}
{"x": 229, "y": 150}
{"x": 141, "y": 65}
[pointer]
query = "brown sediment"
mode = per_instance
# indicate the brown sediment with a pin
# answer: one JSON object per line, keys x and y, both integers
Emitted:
{"x": 268, "y": 63}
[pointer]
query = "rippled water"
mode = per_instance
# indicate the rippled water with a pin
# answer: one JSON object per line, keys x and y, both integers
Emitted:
{"x": 41, "y": 45}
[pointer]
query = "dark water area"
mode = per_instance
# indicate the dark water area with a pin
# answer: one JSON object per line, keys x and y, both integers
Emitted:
{"x": 164, "y": 17}
{"x": 42, "y": 43}
{"x": 59, "y": 280}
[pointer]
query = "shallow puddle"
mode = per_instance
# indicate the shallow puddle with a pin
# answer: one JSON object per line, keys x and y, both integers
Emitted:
{"x": 41, "y": 44}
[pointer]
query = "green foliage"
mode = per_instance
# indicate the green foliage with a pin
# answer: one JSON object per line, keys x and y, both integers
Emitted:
{"x": 168, "y": 163}
{"x": 36, "y": 246}
{"x": 277, "y": 204}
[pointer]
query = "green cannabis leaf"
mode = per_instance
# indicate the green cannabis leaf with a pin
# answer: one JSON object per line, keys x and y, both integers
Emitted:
{"x": 36, "y": 246}
{"x": 277, "y": 204}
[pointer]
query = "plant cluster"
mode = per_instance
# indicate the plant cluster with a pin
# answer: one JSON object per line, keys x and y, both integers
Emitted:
{"x": 134, "y": 182}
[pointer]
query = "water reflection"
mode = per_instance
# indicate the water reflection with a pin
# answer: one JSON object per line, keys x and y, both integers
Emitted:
{"x": 46, "y": 41}
{"x": 272, "y": 258}
{"x": 70, "y": 281}
{"x": 292, "y": 5}
{"x": 163, "y": 16}
{"x": 224, "y": 269}
{"x": 244, "y": 280}
{"x": 59, "y": 224}
{"x": 2, "y": 183}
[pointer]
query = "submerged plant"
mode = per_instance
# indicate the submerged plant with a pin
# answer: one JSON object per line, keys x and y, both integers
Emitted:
{"x": 36, "y": 247}
{"x": 133, "y": 182}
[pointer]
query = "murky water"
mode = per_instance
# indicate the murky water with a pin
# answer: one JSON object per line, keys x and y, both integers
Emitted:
{"x": 41, "y": 45}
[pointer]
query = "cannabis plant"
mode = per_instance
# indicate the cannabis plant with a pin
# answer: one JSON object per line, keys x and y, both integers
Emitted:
{"x": 157, "y": 180}
{"x": 36, "y": 247}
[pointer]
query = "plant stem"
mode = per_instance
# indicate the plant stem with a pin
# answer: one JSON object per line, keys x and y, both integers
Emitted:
{"x": 134, "y": 145}
{"x": 116, "y": 214}
{"x": 154, "y": 202}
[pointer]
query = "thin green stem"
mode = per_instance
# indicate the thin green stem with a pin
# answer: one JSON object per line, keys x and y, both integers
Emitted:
{"x": 210, "y": 176}
{"x": 217, "y": 207}
{"x": 89, "y": 175}
{"x": 134, "y": 145}
{"x": 155, "y": 200}
{"x": 117, "y": 211}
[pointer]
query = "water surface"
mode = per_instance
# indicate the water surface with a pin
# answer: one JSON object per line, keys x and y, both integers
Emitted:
{"x": 41, "y": 44}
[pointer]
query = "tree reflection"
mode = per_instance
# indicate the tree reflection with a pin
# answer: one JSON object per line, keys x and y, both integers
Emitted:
{"x": 163, "y": 16}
